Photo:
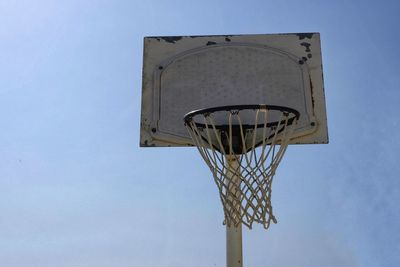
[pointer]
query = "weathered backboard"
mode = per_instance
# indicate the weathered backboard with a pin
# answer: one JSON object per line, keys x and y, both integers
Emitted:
{"x": 182, "y": 74}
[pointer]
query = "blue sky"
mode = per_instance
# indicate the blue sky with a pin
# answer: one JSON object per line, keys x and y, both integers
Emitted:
{"x": 76, "y": 189}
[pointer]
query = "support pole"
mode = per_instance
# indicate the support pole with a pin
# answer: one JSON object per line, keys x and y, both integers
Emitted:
{"x": 234, "y": 257}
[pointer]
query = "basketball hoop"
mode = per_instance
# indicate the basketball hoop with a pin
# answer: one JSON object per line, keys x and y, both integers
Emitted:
{"x": 243, "y": 145}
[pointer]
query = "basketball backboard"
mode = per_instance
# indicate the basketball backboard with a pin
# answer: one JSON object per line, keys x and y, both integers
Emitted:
{"x": 186, "y": 73}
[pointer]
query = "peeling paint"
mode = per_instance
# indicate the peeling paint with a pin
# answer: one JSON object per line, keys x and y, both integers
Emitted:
{"x": 146, "y": 144}
{"x": 305, "y": 35}
{"x": 312, "y": 93}
{"x": 170, "y": 39}
{"x": 307, "y": 46}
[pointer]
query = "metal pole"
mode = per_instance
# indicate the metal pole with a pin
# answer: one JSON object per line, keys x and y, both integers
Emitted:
{"x": 234, "y": 257}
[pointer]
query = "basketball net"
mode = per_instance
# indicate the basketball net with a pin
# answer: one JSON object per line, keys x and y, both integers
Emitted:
{"x": 243, "y": 159}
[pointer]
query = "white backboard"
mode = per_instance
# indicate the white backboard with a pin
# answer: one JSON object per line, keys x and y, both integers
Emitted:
{"x": 182, "y": 74}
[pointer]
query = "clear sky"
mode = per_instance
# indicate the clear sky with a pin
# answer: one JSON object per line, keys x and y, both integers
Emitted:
{"x": 76, "y": 189}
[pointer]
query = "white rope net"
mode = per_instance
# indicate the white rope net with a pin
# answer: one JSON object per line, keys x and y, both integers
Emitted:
{"x": 243, "y": 158}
